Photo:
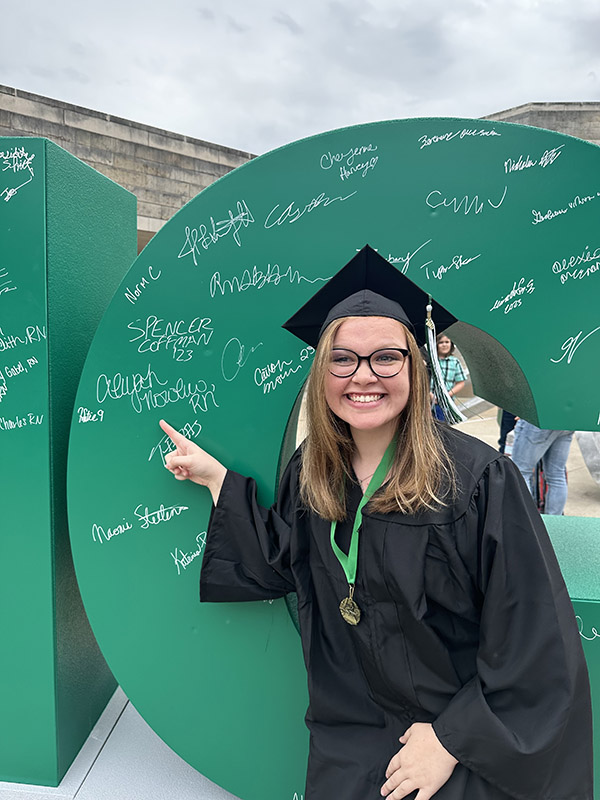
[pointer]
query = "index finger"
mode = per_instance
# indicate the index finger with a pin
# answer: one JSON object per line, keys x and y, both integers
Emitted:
{"x": 176, "y": 437}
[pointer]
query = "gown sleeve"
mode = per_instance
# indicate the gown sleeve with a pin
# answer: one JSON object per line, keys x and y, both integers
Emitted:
{"x": 523, "y": 722}
{"x": 247, "y": 552}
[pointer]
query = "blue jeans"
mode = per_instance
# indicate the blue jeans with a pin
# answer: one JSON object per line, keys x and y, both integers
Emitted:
{"x": 552, "y": 447}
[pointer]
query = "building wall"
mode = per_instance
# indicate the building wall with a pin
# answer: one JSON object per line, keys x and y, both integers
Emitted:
{"x": 576, "y": 119}
{"x": 163, "y": 169}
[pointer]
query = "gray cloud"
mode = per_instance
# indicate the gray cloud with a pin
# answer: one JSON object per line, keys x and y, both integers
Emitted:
{"x": 284, "y": 19}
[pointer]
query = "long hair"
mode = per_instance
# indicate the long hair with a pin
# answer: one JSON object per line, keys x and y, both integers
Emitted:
{"x": 422, "y": 475}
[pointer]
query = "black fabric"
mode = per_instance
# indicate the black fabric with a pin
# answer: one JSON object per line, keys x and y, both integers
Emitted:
{"x": 466, "y": 624}
{"x": 370, "y": 304}
{"x": 367, "y": 286}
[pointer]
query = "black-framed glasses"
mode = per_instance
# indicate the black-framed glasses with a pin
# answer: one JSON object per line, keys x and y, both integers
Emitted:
{"x": 384, "y": 363}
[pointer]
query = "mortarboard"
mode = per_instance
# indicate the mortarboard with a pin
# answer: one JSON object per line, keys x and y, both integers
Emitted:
{"x": 368, "y": 286}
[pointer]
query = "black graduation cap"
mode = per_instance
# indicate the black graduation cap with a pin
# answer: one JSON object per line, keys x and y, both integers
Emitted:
{"x": 368, "y": 286}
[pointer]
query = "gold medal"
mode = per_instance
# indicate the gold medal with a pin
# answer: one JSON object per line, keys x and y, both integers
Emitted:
{"x": 349, "y": 561}
{"x": 348, "y": 609}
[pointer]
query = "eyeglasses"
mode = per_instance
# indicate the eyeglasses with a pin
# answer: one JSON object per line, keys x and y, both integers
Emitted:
{"x": 383, "y": 363}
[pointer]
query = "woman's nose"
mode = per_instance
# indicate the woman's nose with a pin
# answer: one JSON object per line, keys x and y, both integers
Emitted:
{"x": 364, "y": 373}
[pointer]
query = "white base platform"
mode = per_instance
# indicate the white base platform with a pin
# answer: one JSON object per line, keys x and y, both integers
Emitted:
{"x": 123, "y": 759}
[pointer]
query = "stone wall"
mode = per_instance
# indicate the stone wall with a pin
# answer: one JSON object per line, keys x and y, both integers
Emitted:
{"x": 163, "y": 169}
{"x": 576, "y": 119}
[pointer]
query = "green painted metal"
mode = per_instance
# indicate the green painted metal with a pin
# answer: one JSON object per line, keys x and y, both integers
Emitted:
{"x": 67, "y": 237}
{"x": 588, "y": 619}
{"x": 489, "y": 217}
{"x": 575, "y": 541}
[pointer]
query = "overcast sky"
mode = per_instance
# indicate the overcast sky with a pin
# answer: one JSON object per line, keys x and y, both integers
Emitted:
{"x": 258, "y": 74}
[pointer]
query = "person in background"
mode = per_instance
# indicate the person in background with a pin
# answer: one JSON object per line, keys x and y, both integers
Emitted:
{"x": 452, "y": 372}
{"x": 507, "y": 424}
{"x": 552, "y": 447}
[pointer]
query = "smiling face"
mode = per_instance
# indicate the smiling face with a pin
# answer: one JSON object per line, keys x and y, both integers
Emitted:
{"x": 365, "y": 401}
{"x": 444, "y": 346}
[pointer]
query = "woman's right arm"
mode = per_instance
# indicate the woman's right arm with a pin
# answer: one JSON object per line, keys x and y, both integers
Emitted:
{"x": 247, "y": 553}
{"x": 188, "y": 462}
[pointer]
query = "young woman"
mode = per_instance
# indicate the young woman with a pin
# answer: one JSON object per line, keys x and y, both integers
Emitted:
{"x": 452, "y": 372}
{"x": 442, "y": 651}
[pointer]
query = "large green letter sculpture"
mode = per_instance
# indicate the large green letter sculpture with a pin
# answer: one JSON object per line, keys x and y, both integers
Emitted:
{"x": 499, "y": 222}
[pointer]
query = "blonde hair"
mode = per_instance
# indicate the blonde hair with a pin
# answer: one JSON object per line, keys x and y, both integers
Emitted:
{"x": 422, "y": 475}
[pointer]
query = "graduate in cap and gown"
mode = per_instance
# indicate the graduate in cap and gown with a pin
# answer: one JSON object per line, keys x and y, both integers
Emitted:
{"x": 441, "y": 646}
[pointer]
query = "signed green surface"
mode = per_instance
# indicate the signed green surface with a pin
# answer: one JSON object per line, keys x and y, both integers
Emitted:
{"x": 498, "y": 222}
{"x": 67, "y": 236}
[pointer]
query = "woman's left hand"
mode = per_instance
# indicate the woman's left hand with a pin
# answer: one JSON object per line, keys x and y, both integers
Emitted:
{"x": 422, "y": 764}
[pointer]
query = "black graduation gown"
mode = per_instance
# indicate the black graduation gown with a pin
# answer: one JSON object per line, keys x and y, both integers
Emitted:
{"x": 466, "y": 624}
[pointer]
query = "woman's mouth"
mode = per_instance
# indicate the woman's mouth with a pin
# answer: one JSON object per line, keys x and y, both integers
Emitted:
{"x": 364, "y": 398}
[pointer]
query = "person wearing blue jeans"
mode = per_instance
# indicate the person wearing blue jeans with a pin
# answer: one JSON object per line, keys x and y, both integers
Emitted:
{"x": 552, "y": 447}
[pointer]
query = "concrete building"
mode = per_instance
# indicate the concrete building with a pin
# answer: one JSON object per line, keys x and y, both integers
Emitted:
{"x": 163, "y": 169}
{"x": 576, "y": 119}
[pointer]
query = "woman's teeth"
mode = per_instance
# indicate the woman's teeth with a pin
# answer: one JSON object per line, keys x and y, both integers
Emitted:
{"x": 365, "y": 398}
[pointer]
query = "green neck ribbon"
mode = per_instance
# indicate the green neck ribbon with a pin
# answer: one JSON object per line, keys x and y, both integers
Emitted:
{"x": 349, "y": 562}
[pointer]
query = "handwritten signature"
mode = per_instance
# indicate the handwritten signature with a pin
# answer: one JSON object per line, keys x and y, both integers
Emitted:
{"x": 182, "y": 560}
{"x": 148, "y": 389}
{"x": 520, "y": 164}
{"x": 578, "y": 200}
{"x": 134, "y": 295}
{"x": 594, "y": 632}
{"x": 457, "y": 262}
{"x": 571, "y": 345}
{"x": 162, "y": 514}
{"x": 85, "y": 415}
{"x": 293, "y": 212}
{"x": 348, "y": 163}
{"x": 426, "y": 141}
{"x": 329, "y": 159}
{"x": 165, "y": 445}
{"x": 257, "y": 279}
{"x": 32, "y": 335}
{"x": 275, "y": 373}
{"x": 513, "y": 299}
{"x": 6, "y": 285}
{"x": 16, "y": 160}
{"x": 156, "y": 333}
{"x": 456, "y": 204}
{"x": 20, "y": 422}
{"x": 405, "y": 260}
{"x": 234, "y": 357}
{"x": 201, "y": 238}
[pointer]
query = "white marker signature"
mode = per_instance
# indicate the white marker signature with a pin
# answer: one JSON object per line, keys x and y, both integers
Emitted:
{"x": 183, "y": 560}
{"x": 405, "y": 260}
{"x": 595, "y": 634}
{"x": 234, "y": 357}
{"x": 292, "y": 213}
{"x": 162, "y": 514}
{"x": 571, "y": 345}
{"x": 469, "y": 203}
{"x": 203, "y": 236}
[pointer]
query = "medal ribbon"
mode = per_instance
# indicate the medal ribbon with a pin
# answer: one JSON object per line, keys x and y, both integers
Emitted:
{"x": 349, "y": 562}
